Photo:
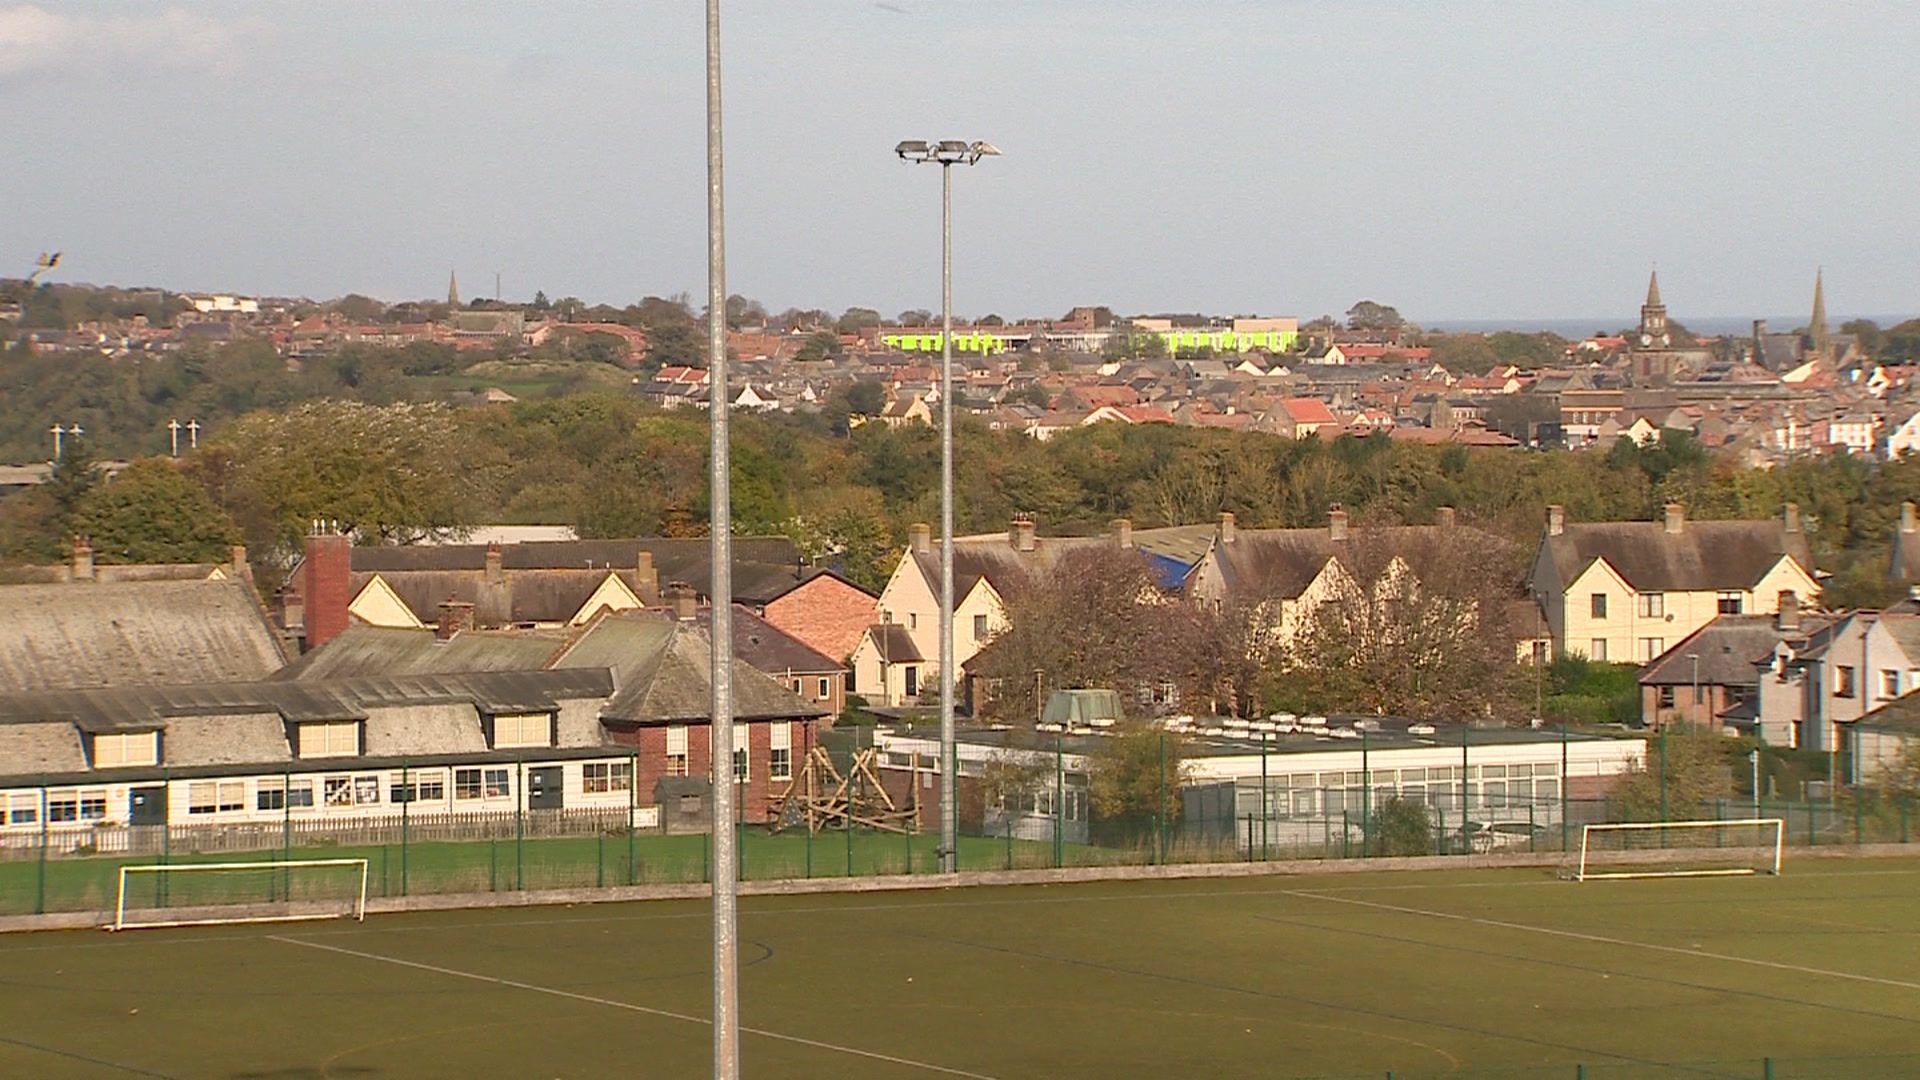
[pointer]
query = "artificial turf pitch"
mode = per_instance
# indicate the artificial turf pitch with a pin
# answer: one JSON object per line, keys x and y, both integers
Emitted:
{"x": 1505, "y": 973}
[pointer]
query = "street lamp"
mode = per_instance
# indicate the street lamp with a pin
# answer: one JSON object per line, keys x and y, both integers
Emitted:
{"x": 946, "y": 153}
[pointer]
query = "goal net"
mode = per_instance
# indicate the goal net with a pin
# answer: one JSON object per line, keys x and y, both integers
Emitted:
{"x": 1680, "y": 849}
{"x": 208, "y": 894}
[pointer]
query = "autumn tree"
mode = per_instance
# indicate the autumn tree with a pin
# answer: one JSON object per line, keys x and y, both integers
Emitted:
{"x": 1134, "y": 776}
{"x": 1094, "y": 618}
{"x": 1416, "y": 625}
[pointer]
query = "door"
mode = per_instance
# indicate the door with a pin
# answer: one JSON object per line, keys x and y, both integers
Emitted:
{"x": 912, "y": 681}
{"x": 544, "y": 789}
{"x": 147, "y": 806}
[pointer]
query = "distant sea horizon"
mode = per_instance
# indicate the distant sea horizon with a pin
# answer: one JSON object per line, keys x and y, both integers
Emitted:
{"x": 1709, "y": 325}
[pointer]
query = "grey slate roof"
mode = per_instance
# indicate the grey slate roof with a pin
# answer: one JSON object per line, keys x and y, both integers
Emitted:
{"x": 1010, "y": 570}
{"x": 662, "y": 667}
{"x": 40, "y": 748}
{"x": 1731, "y": 649}
{"x": 233, "y": 739}
{"x": 93, "y": 633}
{"x": 895, "y": 645}
{"x": 1702, "y": 555}
{"x": 402, "y": 731}
{"x": 769, "y": 648}
{"x": 377, "y": 650}
{"x": 1283, "y": 562}
{"x": 548, "y": 580}
{"x": 145, "y": 708}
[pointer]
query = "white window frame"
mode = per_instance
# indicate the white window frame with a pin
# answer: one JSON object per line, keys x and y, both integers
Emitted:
{"x": 676, "y": 750}
{"x": 203, "y": 797}
{"x": 23, "y": 809}
{"x": 606, "y": 777}
{"x": 1653, "y": 605}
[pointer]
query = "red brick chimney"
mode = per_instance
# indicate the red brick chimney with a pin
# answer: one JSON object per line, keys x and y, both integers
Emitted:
{"x": 455, "y": 616}
{"x": 325, "y": 585}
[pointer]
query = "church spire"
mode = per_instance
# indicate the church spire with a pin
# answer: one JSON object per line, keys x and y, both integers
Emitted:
{"x": 1817, "y": 326}
{"x": 453, "y": 290}
{"x": 1653, "y": 290}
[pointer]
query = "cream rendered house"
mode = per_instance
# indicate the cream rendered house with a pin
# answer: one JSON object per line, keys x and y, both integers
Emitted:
{"x": 1623, "y": 591}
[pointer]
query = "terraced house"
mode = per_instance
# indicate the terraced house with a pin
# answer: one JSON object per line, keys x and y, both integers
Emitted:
{"x": 1624, "y": 591}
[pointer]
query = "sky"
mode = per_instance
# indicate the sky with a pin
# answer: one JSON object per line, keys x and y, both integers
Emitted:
{"x": 1456, "y": 160}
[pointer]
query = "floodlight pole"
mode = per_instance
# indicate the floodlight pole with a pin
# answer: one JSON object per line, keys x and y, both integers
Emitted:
{"x": 946, "y": 155}
{"x": 726, "y": 954}
{"x": 949, "y": 770}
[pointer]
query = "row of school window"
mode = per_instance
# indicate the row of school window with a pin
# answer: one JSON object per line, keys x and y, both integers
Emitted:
{"x": 63, "y": 807}
{"x": 779, "y": 753}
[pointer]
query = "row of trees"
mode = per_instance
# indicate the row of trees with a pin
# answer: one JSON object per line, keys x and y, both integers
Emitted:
{"x": 612, "y": 465}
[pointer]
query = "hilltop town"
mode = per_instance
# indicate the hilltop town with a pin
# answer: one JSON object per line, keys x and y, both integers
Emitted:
{"x": 1762, "y": 398}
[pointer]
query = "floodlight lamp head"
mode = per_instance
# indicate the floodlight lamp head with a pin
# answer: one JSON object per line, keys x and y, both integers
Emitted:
{"x": 982, "y": 148}
{"x": 913, "y": 150}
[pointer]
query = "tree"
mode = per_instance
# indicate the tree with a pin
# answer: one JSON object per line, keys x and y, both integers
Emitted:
{"x": 359, "y": 308}
{"x": 1096, "y": 619}
{"x": 1683, "y": 774}
{"x": 819, "y": 346}
{"x": 866, "y": 398}
{"x": 152, "y": 513}
{"x": 1415, "y": 627}
{"x": 1135, "y": 776}
{"x": 1866, "y": 332}
{"x": 1370, "y": 315}
{"x": 856, "y": 319}
{"x": 1402, "y": 827}
{"x": 742, "y": 311}
{"x": 1033, "y": 394}
{"x": 1463, "y": 354}
{"x": 540, "y": 301}
{"x": 915, "y": 317}
{"x": 396, "y": 474}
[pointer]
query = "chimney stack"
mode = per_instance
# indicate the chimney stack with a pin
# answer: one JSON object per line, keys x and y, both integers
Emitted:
{"x": 1444, "y": 517}
{"x": 325, "y": 584}
{"x": 82, "y": 558}
{"x": 1229, "y": 529}
{"x": 455, "y": 616}
{"x": 495, "y": 575}
{"x": 1556, "y": 520}
{"x": 1789, "y": 615}
{"x": 920, "y": 537}
{"x": 1909, "y": 517}
{"x": 1021, "y": 533}
{"x": 1790, "y": 517}
{"x": 237, "y": 562}
{"x": 1676, "y": 519}
{"x": 1337, "y": 524}
{"x": 1123, "y": 532}
{"x": 683, "y": 600}
{"x": 646, "y": 578}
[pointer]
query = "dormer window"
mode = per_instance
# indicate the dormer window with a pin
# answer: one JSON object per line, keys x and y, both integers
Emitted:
{"x": 330, "y": 738}
{"x": 522, "y": 729}
{"x": 119, "y": 749}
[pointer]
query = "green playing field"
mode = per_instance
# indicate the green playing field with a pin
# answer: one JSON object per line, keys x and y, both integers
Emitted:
{"x": 1508, "y": 973}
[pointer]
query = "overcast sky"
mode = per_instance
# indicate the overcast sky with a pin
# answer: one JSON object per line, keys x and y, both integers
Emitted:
{"x": 1512, "y": 160}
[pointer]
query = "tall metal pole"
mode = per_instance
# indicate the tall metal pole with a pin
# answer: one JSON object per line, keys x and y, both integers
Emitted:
{"x": 949, "y": 771}
{"x": 726, "y": 958}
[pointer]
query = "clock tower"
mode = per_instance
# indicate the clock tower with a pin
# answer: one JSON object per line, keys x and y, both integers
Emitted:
{"x": 1653, "y": 319}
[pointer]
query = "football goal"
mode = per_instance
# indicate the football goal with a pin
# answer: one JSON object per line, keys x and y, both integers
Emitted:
{"x": 210, "y": 894}
{"x": 1649, "y": 849}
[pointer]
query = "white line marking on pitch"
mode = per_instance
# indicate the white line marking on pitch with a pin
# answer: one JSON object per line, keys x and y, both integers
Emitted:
{"x": 630, "y": 1007}
{"x": 1603, "y": 940}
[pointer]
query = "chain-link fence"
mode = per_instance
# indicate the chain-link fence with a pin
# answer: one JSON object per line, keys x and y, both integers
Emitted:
{"x": 1057, "y": 815}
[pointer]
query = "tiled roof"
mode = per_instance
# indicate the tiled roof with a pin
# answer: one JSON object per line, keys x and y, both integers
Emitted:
{"x": 98, "y": 633}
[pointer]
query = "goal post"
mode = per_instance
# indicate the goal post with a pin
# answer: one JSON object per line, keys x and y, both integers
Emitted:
{"x": 1653, "y": 849}
{"x": 220, "y": 893}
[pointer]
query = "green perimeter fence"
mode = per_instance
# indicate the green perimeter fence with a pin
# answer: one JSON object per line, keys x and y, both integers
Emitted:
{"x": 1882, "y": 1067}
{"x": 1046, "y": 820}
